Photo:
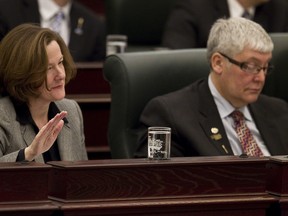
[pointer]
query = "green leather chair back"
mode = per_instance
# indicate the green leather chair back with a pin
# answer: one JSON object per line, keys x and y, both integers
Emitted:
{"x": 277, "y": 82}
{"x": 142, "y": 21}
{"x": 137, "y": 77}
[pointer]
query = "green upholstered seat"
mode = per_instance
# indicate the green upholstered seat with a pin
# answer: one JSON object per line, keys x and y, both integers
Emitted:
{"x": 137, "y": 77}
{"x": 277, "y": 83}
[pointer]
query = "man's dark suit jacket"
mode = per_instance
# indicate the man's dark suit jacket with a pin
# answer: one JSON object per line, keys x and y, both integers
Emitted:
{"x": 190, "y": 21}
{"x": 191, "y": 113}
{"x": 88, "y": 46}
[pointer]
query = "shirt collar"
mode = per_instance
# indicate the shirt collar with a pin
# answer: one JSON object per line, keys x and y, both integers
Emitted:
{"x": 48, "y": 8}
{"x": 236, "y": 10}
{"x": 224, "y": 107}
{"x": 24, "y": 116}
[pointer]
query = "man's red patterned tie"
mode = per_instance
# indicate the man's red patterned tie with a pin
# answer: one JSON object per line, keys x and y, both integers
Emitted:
{"x": 246, "y": 138}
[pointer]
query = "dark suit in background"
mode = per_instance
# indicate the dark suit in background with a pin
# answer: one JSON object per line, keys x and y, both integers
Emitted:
{"x": 190, "y": 21}
{"x": 88, "y": 46}
{"x": 191, "y": 113}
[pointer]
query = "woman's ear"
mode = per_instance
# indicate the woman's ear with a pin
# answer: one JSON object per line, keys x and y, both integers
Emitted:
{"x": 217, "y": 63}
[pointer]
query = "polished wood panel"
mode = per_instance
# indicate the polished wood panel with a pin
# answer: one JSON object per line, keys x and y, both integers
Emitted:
{"x": 92, "y": 92}
{"x": 180, "y": 186}
{"x": 189, "y": 177}
{"x": 23, "y": 182}
{"x": 89, "y": 79}
{"x": 277, "y": 181}
{"x": 210, "y": 206}
{"x": 278, "y": 178}
{"x": 29, "y": 209}
{"x": 96, "y": 116}
{"x": 24, "y": 189}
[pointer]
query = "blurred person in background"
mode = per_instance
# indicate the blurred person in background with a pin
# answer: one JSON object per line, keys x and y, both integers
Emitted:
{"x": 81, "y": 29}
{"x": 190, "y": 21}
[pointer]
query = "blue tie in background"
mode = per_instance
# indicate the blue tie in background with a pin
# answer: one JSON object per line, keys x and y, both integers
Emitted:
{"x": 57, "y": 21}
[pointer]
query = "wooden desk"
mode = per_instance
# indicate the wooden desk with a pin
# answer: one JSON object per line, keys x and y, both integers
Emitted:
{"x": 92, "y": 92}
{"x": 180, "y": 186}
{"x": 277, "y": 182}
{"x": 24, "y": 189}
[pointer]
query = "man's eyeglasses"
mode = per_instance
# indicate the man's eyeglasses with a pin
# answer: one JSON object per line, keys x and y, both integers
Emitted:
{"x": 250, "y": 67}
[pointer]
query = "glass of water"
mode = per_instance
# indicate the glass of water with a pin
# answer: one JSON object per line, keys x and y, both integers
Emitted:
{"x": 159, "y": 143}
{"x": 116, "y": 44}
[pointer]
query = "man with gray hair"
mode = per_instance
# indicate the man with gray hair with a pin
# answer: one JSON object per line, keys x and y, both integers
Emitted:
{"x": 224, "y": 114}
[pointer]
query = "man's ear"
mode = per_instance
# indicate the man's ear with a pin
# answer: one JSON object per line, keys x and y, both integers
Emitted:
{"x": 217, "y": 63}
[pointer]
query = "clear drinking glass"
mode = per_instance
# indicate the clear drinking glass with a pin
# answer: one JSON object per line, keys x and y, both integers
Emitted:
{"x": 116, "y": 44}
{"x": 159, "y": 143}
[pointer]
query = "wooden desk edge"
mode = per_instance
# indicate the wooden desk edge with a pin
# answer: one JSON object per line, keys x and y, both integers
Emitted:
{"x": 90, "y": 98}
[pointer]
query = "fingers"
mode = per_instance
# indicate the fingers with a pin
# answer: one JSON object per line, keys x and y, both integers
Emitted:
{"x": 55, "y": 132}
{"x": 63, "y": 114}
{"x": 58, "y": 117}
{"x": 46, "y": 136}
{"x": 54, "y": 121}
{"x": 47, "y": 129}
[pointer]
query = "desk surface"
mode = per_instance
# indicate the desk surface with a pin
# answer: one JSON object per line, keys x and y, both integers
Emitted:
{"x": 224, "y": 185}
{"x": 175, "y": 161}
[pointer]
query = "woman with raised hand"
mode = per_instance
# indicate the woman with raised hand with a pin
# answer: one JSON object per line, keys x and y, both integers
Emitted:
{"x": 37, "y": 123}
